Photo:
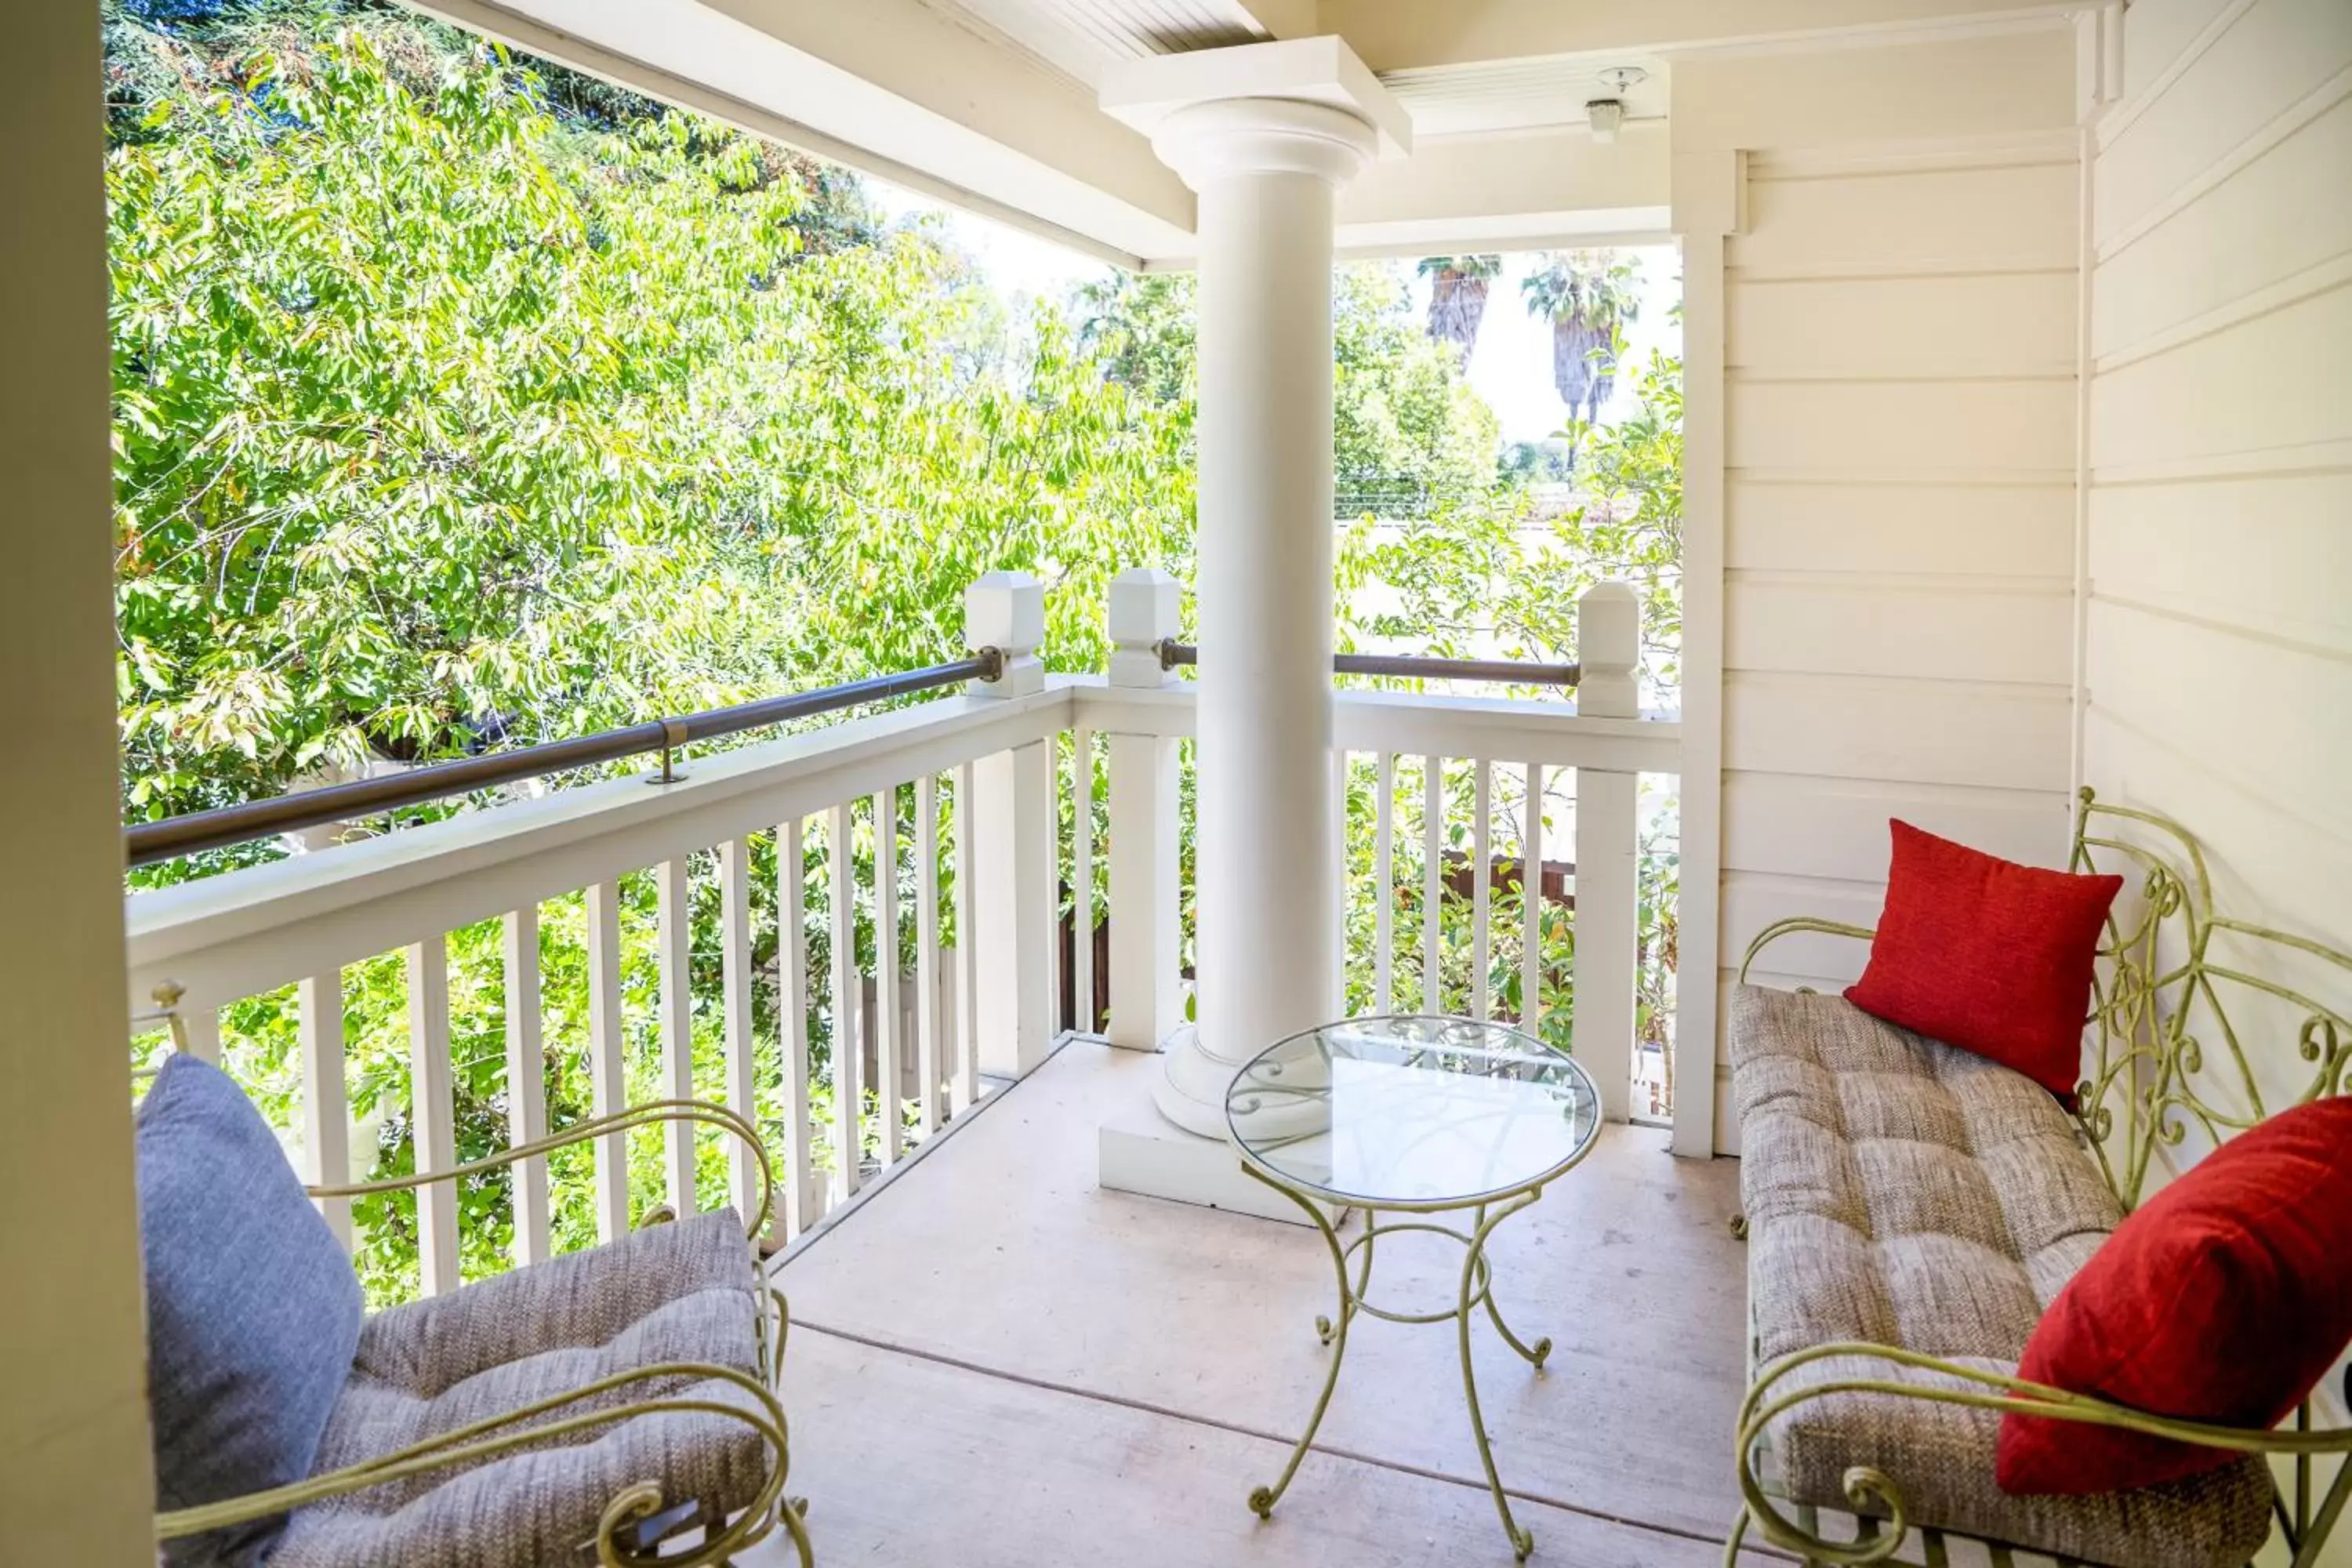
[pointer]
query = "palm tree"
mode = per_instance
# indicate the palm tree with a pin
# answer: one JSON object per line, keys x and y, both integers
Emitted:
{"x": 1587, "y": 295}
{"x": 1457, "y": 296}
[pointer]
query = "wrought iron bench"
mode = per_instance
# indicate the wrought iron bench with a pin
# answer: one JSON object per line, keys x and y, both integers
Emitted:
{"x": 1910, "y": 1207}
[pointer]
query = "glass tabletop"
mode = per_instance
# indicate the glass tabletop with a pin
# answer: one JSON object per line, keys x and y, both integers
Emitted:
{"x": 1413, "y": 1112}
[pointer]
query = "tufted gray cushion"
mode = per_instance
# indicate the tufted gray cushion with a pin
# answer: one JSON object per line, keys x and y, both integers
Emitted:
{"x": 1904, "y": 1193}
{"x": 682, "y": 1291}
{"x": 252, "y": 1307}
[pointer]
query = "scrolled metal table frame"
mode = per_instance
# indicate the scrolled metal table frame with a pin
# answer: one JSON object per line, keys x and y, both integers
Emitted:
{"x": 1476, "y": 1289}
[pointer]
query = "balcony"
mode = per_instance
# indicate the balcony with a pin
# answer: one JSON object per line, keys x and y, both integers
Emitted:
{"x": 961, "y": 1261}
{"x": 2015, "y": 461}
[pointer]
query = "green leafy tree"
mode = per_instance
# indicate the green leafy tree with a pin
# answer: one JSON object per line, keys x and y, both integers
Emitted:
{"x": 1457, "y": 297}
{"x": 1589, "y": 296}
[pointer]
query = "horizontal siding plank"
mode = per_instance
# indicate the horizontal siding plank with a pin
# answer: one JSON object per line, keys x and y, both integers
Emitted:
{"x": 1921, "y": 732}
{"x": 1751, "y": 902}
{"x": 2268, "y": 223}
{"x": 2014, "y": 530}
{"x": 2156, "y": 31}
{"x": 1866, "y": 626}
{"x": 1790, "y": 825}
{"x": 1991, "y": 426}
{"x": 2003, "y": 325}
{"x": 2266, "y": 715}
{"x": 2267, "y": 866}
{"x": 2277, "y": 53}
{"x": 1935, "y": 221}
{"x": 2270, "y": 555}
{"x": 2274, "y": 381}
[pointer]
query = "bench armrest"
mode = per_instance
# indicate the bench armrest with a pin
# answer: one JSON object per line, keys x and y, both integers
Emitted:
{"x": 522, "y": 1428}
{"x": 1791, "y": 925}
{"x": 648, "y": 1114}
{"x": 1866, "y": 1487}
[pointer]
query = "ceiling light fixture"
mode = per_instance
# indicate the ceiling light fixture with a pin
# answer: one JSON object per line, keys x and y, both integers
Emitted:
{"x": 1607, "y": 114}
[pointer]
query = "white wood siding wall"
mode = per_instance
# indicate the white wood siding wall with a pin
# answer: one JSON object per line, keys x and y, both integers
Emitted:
{"x": 2218, "y": 627}
{"x": 1901, "y": 390}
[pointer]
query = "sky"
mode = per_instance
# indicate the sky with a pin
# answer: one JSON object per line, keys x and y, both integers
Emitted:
{"x": 1510, "y": 368}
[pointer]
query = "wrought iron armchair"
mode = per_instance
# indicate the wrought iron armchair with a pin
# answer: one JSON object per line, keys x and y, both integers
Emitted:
{"x": 2146, "y": 1086}
{"x": 640, "y": 1517}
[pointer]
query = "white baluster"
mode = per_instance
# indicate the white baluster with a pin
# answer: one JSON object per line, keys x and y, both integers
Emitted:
{"x": 526, "y": 1082}
{"x": 1482, "y": 892}
{"x": 885, "y": 977}
{"x": 1607, "y": 909}
{"x": 803, "y": 1203}
{"x": 607, "y": 1083}
{"x": 201, "y": 1028}
{"x": 1433, "y": 884}
{"x": 926, "y": 951}
{"x": 326, "y": 1116}
{"x": 1532, "y": 906}
{"x": 964, "y": 1081}
{"x": 432, "y": 1110}
{"x": 1339, "y": 981}
{"x": 848, "y": 1046}
{"x": 735, "y": 999}
{"x": 1082, "y": 879}
{"x": 1384, "y": 883}
{"x": 674, "y": 947}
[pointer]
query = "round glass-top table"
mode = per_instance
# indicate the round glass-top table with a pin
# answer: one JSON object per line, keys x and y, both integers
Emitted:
{"x": 1415, "y": 1117}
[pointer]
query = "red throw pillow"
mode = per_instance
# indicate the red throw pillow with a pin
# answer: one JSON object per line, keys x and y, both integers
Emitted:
{"x": 2223, "y": 1299}
{"x": 1988, "y": 955}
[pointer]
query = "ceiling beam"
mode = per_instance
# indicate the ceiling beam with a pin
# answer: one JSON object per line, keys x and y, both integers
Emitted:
{"x": 1396, "y": 34}
{"x": 889, "y": 87}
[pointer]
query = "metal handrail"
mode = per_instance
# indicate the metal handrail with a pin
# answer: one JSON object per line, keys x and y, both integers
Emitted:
{"x": 145, "y": 842}
{"x": 1414, "y": 667}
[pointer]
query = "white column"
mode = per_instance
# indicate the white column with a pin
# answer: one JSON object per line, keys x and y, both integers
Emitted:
{"x": 1146, "y": 939}
{"x": 1266, "y": 171}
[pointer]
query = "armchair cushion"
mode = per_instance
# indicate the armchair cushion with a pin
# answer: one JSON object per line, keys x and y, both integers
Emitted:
{"x": 253, "y": 1311}
{"x": 686, "y": 1291}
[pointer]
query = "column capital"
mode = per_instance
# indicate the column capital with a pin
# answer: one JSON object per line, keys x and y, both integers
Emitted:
{"x": 1204, "y": 143}
{"x": 1304, "y": 106}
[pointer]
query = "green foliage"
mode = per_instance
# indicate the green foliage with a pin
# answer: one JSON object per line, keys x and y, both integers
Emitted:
{"x": 462, "y": 403}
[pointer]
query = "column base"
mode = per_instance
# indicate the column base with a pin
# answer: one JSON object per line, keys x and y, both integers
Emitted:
{"x": 1145, "y": 1150}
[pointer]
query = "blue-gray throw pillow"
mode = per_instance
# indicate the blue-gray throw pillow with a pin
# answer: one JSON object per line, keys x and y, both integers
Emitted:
{"x": 253, "y": 1311}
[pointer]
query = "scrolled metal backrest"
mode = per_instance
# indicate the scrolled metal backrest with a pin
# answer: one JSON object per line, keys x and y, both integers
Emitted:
{"x": 2161, "y": 1044}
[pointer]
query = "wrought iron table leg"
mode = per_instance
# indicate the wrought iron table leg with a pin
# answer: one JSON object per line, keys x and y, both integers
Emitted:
{"x": 1262, "y": 1499}
{"x": 1534, "y": 1354}
{"x": 1323, "y": 1330}
{"x": 1522, "y": 1542}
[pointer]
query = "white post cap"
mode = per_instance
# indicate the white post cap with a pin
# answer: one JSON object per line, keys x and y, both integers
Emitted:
{"x": 1145, "y": 608}
{"x": 1006, "y": 611}
{"x": 1608, "y": 650}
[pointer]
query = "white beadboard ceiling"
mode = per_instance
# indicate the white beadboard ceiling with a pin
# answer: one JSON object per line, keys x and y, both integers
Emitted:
{"x": 1081, "y": 39}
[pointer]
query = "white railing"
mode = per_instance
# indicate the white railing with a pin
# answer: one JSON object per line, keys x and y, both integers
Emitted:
{"x": 985, "y": 849}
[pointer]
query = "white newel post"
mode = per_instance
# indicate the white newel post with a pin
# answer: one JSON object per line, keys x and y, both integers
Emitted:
{"x": 1145, "y": 1001}
{"x": 1608, "y": 642}
{"x": 1010, "y": 818}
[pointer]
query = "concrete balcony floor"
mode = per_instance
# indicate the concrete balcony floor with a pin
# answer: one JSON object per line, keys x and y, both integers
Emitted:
{"x": 995, "y": 1364}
